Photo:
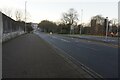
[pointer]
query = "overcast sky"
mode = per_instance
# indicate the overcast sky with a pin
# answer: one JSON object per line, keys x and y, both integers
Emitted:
{"x": 52, "y": 9}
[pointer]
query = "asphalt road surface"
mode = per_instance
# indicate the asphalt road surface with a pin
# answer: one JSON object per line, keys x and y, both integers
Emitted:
{"x": 99, "y": 57}
{"x": 29, "y": 56}
{"x": 110, "y": 40}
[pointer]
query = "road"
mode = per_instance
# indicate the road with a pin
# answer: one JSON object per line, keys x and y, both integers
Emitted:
{"x": 110, "y": 40}
{"x": 99, "y": 57}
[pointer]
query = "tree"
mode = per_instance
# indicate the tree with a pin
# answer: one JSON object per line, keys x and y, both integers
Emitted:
{"x": 48, "y": 26}
{"x": 63, "y": 28}
{"x": 18, "y": 15}
{"x": 114, "y": 21}
{"x": 70, "y": 17}
{"x": 99, "y": 19}
{"x": 29, "y": 27}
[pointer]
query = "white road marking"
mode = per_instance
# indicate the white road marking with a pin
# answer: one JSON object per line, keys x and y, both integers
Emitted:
{"x": 89, "y": 41}
{"x": 54, "y": 37}
{"x": 64, "y": 40}
{"x": 60, "y": 39}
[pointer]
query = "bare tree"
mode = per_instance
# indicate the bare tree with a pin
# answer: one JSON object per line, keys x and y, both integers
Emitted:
{"x": 70, "y": 17}
{"x": 99, "y": 19}
{"x": 114, "y": 21}
{"x": 18, "y": 15}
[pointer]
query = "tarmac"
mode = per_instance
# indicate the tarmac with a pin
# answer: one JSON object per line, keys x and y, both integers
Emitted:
{"x": 29, "y": 56}
{"x": 112, "y": 41}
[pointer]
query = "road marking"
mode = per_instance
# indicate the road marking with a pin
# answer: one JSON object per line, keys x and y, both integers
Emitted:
{"x": 54, "y": 37}
{"x": 89, "y": 41}
{"x": 70, "y": 59}
{"x": 101, "y": 43}
{"x": 93, "y": 49}
{"x": 64, "y": 40}
{"x": 60, "y": 39}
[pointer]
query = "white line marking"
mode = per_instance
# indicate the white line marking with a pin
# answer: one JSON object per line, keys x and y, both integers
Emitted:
{"x": 54, "y": 37}
{"x": 64, "y": 40}
{"x": 89, "y": 41}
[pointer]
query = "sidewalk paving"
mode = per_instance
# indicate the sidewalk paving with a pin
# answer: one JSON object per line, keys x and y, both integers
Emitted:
{"x": 28, "y": 56}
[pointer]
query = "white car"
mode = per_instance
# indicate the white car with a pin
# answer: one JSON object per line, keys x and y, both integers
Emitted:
{"x": 51, "y": 33}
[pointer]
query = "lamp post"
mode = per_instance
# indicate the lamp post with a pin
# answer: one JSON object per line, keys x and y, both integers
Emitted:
{"x": 25, "y": 15}
{"x": 81, "y": 20}
{"x": 106, "y": 28}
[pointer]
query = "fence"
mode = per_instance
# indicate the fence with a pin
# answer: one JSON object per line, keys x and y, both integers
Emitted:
{"x": 10, "y": 28}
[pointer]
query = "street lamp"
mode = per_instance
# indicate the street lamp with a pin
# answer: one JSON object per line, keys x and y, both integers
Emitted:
{"x": 106, "y": 28}
{"x": 25, "y": 15}
{"x": 81, "y": 20}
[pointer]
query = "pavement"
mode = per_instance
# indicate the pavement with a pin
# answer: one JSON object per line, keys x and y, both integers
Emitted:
{"x": 29, "y": 56}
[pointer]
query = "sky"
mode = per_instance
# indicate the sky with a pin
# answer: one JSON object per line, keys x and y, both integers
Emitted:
{"x": 53, "y": 9}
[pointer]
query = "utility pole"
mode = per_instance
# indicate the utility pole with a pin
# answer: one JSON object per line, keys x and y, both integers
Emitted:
{"x": 106, "y": 28}
{"x": 25, "y": 14}
{"x": 81, "y": 20}
{"x": 118, "y": 23}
